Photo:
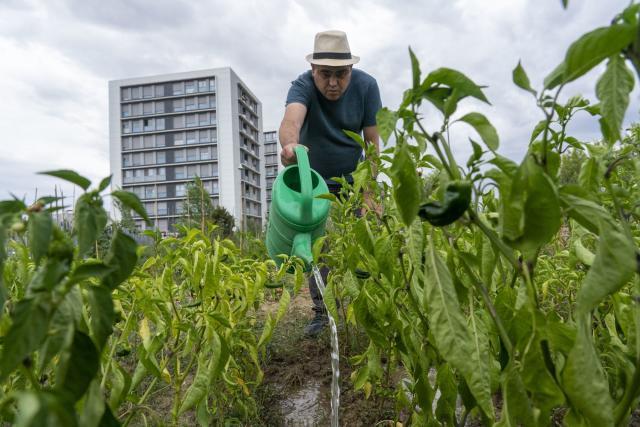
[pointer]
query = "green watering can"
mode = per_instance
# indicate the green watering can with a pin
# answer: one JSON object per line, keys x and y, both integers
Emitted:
{"x": 296, "y": 216}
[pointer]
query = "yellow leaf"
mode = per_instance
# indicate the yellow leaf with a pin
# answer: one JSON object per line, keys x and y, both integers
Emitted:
{"x": 145, "y": 333}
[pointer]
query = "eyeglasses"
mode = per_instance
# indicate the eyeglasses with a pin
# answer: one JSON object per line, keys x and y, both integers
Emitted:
{"x": 338, "y": 74}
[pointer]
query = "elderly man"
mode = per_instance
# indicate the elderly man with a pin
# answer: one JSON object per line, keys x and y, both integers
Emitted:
{"x": 321, "y": 103}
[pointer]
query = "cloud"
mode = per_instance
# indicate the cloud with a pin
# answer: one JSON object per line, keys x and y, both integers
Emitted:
{"x": 58, "y": 56}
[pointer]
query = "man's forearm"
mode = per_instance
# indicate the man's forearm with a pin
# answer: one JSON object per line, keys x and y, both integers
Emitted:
{"x": 288, "y": 133}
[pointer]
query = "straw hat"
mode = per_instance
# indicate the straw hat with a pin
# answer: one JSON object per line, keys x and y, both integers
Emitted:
{"x": 332, "y": 48}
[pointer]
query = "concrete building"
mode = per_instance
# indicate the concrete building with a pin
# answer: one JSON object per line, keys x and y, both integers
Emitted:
{"x": 165, "y": 130}
{"x": 272, "y": 163}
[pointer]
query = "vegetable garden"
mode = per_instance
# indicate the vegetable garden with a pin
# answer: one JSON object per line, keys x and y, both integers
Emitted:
{"x": 494, "y": 291}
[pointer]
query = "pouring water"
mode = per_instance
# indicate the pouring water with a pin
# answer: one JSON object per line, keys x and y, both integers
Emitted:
{"x": 335, "y": 355}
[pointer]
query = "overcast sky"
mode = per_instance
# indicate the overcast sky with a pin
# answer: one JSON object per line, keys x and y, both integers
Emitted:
{"x": 58, "y": 55}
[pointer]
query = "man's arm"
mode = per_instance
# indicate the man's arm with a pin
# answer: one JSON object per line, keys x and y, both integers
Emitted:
{"x": 289, "y": 132}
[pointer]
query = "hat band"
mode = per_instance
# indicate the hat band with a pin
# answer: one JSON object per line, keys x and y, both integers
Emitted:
{"x": 332, "y": 55}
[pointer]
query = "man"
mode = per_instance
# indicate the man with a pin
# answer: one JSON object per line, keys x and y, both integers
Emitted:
{"x": 321, "y": 103}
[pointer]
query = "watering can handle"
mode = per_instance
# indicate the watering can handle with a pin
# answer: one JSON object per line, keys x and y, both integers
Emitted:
{"x": 306, "y": 186}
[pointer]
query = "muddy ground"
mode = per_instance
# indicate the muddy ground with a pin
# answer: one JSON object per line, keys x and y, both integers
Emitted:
{"x": 296, "y": 390}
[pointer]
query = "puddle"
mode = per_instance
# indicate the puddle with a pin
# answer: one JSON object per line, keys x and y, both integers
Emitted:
{"x": 305, "y": 407}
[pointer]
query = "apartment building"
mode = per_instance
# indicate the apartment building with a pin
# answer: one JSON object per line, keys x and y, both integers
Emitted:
{"x": 272, "y": 163}
{"x": 167, "y": 129}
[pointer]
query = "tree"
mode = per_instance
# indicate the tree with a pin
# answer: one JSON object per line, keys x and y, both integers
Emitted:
{"x": 198, "y": 211}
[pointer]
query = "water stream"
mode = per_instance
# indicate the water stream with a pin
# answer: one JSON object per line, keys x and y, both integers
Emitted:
{"x": 335, "y": 355}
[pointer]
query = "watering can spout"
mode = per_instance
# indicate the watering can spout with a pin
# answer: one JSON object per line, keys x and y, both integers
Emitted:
{"x": 302, "y": 248}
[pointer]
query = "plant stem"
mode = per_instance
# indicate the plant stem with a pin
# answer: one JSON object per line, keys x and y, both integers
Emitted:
{"x": 495, "y": 239}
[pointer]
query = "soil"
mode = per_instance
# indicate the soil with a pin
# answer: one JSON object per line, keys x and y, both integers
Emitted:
{"x": 296, "y": 389}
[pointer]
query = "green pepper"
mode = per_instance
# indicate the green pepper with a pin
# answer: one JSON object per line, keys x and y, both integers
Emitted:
{"x": 457, "y": 197}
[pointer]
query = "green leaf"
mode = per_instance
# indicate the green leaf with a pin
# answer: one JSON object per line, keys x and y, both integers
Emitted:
{"x": 104, "y": 183}
{"x": 81, "y": 367}
{"x": 584, "y": 380}
{"x": 449, "y": 328}
{"x": 40, "y": 227}
{"x": 131, "y": 201}
{"x": 484, "y": 128}
{"x": 329, "y": 299}
{"x": 102, "y": 314}
{"x": 521, "y": 79}
{"x": 407, "y": 191}
{"x": 71, "y": 176}
{"x": 90, "y": 219}
{"x": 43, "y": 408}
{"x": 613, "y": 267}
{"x": 587, "y": 213}
{"x": 386, "y": 121}
{"x": 589, "y": 50}
{"x": 415, "y": 69}
{"x": 122, "y": 258}
{"x": 29, "y": 328}
{"x": 455, "y": 80}
{"x": 120, "y": 385}
{"x": 12, "y": 206}
{"x": 88, "y": 269}
{"x": 516, "y": 410}
{"x": 613, "y": 90}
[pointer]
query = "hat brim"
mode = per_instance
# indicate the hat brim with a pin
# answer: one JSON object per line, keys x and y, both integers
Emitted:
{"x": 333, "y": 62}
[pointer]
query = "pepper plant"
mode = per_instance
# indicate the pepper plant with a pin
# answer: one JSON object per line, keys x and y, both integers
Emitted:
{"x": 504, "y": 283}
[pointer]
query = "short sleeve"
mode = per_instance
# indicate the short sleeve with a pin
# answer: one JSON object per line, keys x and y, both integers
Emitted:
{"x": 299, "y": 92}
{"x": 372, "y": 104}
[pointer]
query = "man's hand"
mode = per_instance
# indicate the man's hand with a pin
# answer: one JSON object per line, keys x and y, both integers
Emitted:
{"x": 288, "y": 154}
{"x": 370, "y": 203}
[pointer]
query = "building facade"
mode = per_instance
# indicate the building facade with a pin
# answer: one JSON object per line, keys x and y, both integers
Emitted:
{"x": 165, "y": 130}
{"x": 272, "y": 163}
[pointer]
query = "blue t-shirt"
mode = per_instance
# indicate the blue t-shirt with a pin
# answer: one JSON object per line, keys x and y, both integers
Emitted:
{"x": 331, "y": 152}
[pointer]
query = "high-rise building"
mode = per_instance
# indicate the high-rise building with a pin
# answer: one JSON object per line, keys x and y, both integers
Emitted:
{"x": 271, "y": 162}
{"x": 165, "y": 130}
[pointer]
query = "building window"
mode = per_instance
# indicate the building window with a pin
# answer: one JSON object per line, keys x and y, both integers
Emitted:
{"x": 137, "y": 142}
{"x": 147, "y": 108}
{"x": 192, "y": 154}
{"x": 203, "y": 119}
{"x": 149, "y": 159}
{"x": 160, "y": 124}
{"x": 149, "y": 174}
{"x": 128, "y": 176}
{"x": 159, "y": 106}
{"x": 191, "y": 137}
{"x": 148, "y": 141}
{"x": 192, "y": 171}
{"x": 178, "y": 105}
{"x": 160, "y": 139}
{"x": 126, "y": 143}
{"x": 205, "y": 153}
{"x": 214, "y": 187}
{"x": 162, "y": 191}
{"x": 126, "y": 127}
{"x": 138, "y": 176}
{"x": 190, "y": 104}
{"x": 203, "y": 102}
{"x": 214, "y": 169}
{"x": 212, "y": 84}
{"x": 126, "y": 160}
{"x": 205, "y": 170}
{"x": 162, "y": 208}
{"x": 136, "y": 109}
{"x": 136, "y": 93}
{"x": 179, "y": 172}
{"x": 190, "y": 120}
{"x": 137, "y": 159}
{"x": 147, "y": 92}
{"x": 178, "y": 138}
{"x": 214, "y": 153}
{"x": 149, "y": 125}
{"x": 203, "y": 135}
{"x": 178, "y": 122}
{"x": 161, "y": 172}
{"x": 190, "y": 87}
{"x": 159, "y": 90}
{"x": 149, "y": 192}
{"x": 178, "y": 88}
{"x": 179, "y": 156}
{"x": 161, "y": 157}
{"x": 203, "y": 86}
{"x": 136, "y": 126}
{"x": 125, "y": 93}
{"x": 180, "y": 190}
{"x": 126, "y": 110}
{"x": 179, "y": 206}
